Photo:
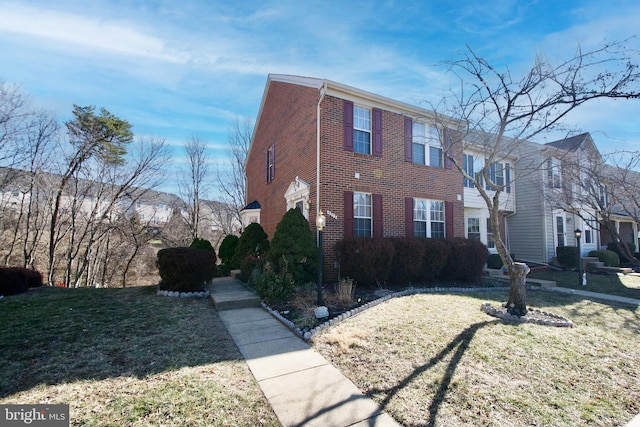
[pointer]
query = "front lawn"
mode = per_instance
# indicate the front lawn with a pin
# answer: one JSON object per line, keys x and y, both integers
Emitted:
{"x": 126, "y": 357}
{"x": 436, "y": 359}
{"x": 624, "y": 285}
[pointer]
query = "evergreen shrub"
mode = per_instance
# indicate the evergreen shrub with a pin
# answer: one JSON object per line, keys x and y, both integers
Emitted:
{"x": 274, "y": 287}
{"x": 185, "y": 269}
{"x": 366, "y": 260}
{"x": 567, "y": 256}
{"x": 434, "y": 260}
{"x": 16, "y": 280}
{"x": 609, "y": 258}
{"x": 251, "y": 249}
{"x": 204, "y": 244}
{"x": 616, "y": 247}
{"x": 408, "y": 256}
{"x": 226, "y": 252}
{"x": 293, "y": 249}
{"x": 466, "y": 259}
{"x": 494, "y": 261}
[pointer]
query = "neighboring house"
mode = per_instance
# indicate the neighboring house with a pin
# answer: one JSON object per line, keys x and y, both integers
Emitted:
{"x": 476, "y": 214}
{"x": 376, "y": 167}
{"x": 560, "y": 199}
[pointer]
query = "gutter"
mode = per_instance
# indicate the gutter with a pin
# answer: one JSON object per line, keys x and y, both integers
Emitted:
{"x": 323, "y": 90}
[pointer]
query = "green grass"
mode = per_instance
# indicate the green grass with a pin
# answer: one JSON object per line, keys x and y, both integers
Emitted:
{"x": 614, "y": 284}
{"x": 126, "y": 357}
{"x": 437, "y": 360}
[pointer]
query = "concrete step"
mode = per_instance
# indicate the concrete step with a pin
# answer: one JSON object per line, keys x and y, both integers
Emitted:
{"x": 231, "y": 294}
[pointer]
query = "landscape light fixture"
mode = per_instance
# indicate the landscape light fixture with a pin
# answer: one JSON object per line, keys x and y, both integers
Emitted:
{"x": 321, "y": 221}
{"x": 578, "y": 234}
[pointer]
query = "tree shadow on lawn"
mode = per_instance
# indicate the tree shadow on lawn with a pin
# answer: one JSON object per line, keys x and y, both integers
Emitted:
{"x": 458, "y": 346}
{"x": 55, "y": 336}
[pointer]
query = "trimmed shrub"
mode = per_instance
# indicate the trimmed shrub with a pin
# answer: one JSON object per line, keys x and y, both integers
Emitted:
{"x": 204, "y": 244}
{"x": 567, "y": 256}
{"x": 408, "y": 254}
{"x": 609, "y": 258}
{"x": 16, "y": 280}
{"x": 185, "y": 269}
{"x": 293, "y": 249}
{"x": 366, "y": 260}
{"x": 251, "y": 249}
{"x": 615, "y": 247}
{"x": 274, "y": 287}
{"x": 226, "y": 252}
{"x": 466, "y": 260}
{"x": 494, "y": 261}
{"x": 434, "y": 260}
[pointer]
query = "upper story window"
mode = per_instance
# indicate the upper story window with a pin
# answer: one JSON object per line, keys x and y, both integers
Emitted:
{"x": 361, "y": 130}
{"x": 426, "y": 145}
{"x": 362, "y": 215}
{"x": 472, "y": 166}
{"x": 270, "y": 164}
{"x": 603, "y": 193}
{"x": 500, "y": 175}
{"x": 428, "y": 218}
{"x": 554, "y": 173}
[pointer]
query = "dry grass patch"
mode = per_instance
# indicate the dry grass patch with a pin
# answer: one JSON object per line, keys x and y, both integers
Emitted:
{"x": 126, "y": 357}
{"x": 438, "y": 360}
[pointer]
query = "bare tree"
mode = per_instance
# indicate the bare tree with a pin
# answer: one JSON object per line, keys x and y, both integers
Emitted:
{"x": 499, "y": 112}
{"x": 194, "y": 188}
{"x": 231, "y": 180}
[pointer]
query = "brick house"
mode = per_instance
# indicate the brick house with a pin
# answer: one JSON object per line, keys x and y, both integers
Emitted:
{"x": 374, "y": 166}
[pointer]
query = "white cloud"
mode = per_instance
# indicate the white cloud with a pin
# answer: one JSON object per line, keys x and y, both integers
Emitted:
{"x": 86, "y": 31}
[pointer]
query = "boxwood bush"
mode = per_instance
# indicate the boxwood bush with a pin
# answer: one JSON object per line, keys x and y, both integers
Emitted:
{"x": 226, "y": 252}
{"x": 185, "y": 269}
{"x": 567, "y": 256}
{"x": 609, "y": 258}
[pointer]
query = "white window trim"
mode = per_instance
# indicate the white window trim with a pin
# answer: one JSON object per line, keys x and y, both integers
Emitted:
{"x": 368, "y": 130}
{"x": 429, "y": 211}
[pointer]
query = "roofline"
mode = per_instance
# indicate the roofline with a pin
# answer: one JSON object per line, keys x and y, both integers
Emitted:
{"x": 353, "y": 94}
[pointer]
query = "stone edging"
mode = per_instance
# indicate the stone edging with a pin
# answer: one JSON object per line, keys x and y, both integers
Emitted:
{"x": 176, "y": 294}
{"x": 537, "y": 316}
{"x": 350, "y": 313}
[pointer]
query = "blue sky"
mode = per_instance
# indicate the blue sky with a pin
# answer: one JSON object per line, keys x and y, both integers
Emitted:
{"x": 176, "y": 69}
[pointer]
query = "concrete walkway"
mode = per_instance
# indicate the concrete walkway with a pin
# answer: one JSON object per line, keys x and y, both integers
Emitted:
{"x": 595, "y": 295}
{"x": 301, "y": 386}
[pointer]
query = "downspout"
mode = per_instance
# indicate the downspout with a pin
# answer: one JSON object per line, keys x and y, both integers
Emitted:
{"x": 323, "y": 90}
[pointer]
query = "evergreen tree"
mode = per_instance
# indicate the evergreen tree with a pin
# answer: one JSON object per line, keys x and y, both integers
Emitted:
{"x": 293, "y": 248}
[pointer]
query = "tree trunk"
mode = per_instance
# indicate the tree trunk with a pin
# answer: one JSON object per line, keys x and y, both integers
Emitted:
{"x": 517, "y": 304}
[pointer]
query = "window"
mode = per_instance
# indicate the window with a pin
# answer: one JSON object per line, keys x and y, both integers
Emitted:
{"x": 437, "y": 219}
{"x": 361, "y": 130}
{"x": 560, "y": 230}
{"x": 603, "y": 190}
{"x": 554, "y": 173}
{"x": 426, "y": 142}
{"x": 468, "y": 166}
{"x": 473, "y": 228}
{"x": 428, "y": 218}
{"x": 269, "y": 164}
{"x": 490, "y": 243}
{"x": 362, "y": 215}
{"x": 587, "y": 236}
{"x": 420, "y": 218}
